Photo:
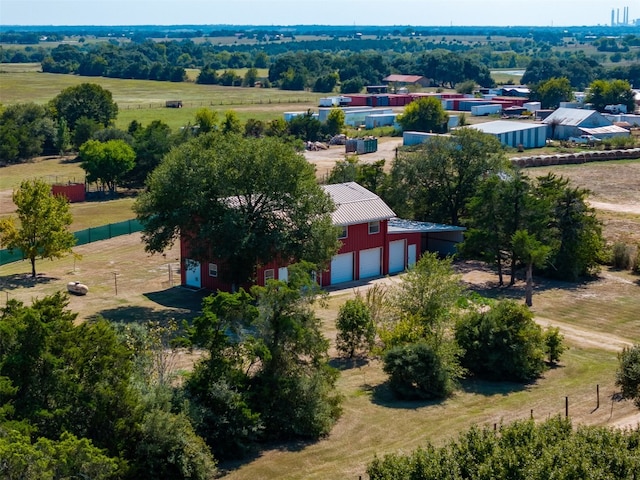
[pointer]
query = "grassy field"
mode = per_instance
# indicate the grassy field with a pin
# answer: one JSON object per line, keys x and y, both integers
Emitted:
{"x": 126, "y": 284}
{"x": 144, "y": 100}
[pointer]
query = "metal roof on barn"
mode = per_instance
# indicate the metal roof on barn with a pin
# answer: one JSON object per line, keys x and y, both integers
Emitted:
{"x": 608, "y": 130}
{"x": 504, "y": 126}
{"x": 399, "y": 225}
{"x": 355, "y": 204}
{"x": 569, "y": 116}
{"x": 402, "y": 78}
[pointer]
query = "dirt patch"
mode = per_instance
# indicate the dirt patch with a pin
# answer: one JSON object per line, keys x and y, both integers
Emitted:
{"x": 616, "y": 207}
{"x": 324, "y": 160}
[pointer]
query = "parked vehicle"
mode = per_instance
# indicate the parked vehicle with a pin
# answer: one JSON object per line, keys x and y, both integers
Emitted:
{"x": 585, "y": 139}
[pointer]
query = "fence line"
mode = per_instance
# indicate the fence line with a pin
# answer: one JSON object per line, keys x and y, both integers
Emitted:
{"x": 83, "y": 237}
{"x": 213, "y": 103}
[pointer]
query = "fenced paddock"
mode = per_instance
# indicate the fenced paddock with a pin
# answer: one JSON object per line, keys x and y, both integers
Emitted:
{"x": 88, "y": 235}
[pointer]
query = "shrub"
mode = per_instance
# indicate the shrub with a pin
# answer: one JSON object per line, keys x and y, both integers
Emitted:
{"x": 356, "y": 330}
{"x": 624, "y": 256}
{"x": 503, "y": 343}
{"x": 628, "y": 374}
{"x": 417, "y": 371}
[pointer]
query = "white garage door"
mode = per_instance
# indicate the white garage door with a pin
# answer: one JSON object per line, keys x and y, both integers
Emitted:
{"x": 396, "y": 256}
{"x": 192, "y": 273}
{"x": 342, "y": 268}
{"x": 370, "y": 262}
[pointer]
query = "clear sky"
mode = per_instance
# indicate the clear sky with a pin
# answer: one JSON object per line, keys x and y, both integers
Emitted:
{"x": 308, "y": 12}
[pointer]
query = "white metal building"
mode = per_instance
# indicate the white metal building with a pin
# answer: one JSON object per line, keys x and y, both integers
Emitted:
{"x": 513, "y": 134}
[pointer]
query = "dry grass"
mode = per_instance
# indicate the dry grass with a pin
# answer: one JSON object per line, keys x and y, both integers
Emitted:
{"x": 372, "y": 422}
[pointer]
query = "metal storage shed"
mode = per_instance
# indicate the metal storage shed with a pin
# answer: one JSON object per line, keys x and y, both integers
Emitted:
{"x": 514, "y": 134}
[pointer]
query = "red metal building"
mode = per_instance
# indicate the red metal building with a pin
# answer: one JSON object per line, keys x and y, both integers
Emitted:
{"x": 374, "y": 243}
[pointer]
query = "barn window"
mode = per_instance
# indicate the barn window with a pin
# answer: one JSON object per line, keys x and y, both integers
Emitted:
{"x": 269, "y": 274}
{"x": 343, "y": 231}
{"x": 374, "y": 227}
{"x": 213, "y": 269}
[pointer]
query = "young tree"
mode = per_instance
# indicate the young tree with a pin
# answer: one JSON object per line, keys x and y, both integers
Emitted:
{"x": 241, "y": 199}
{"x": 356, "y": 330}
{"x": 335, "y": 122}
{"x": 206, "y": 120}
{"x": 44, "y": 224}
{"x": 418, "y": 371}
{"x": 108, "y": 162}
{"x": 424, "y": 115}
{"x": 628, "y": 374}
{"x": 533, "y": 253}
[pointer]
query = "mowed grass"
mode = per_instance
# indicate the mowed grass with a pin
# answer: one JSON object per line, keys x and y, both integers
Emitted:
{"x": 41, "y": 87}
{"x": 373, "y": 422}
{"x": 63, "y": 170}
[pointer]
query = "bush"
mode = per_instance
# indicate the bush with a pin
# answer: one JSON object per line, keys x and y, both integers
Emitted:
{"x": 356, "y": 330}
{"x": 628, "y": 374}
{"x": 503, "y": 343}
{"x": 624, "y": 257}
{"x": 416, "y": 371}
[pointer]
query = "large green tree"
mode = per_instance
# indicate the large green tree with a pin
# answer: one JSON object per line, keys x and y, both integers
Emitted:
{"x": 551, "y": 92}
{"x": 26, "y": 131}
{"x": 266, "y": 375}
{"x": 424, "y": 115}
{"x": 243, "y": 200}
{"x": 108, "y": 162}
{"x": 610, "y": 92}
{"x": 43, "y": 227}
{"x": 85, "y": 100}
{"x": 434, "y": 181}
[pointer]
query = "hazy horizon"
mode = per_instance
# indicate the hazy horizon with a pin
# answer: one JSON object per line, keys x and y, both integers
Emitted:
{"x": 495, "y": 13}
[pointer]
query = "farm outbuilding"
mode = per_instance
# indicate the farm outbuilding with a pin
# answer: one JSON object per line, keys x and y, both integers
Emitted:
{"x": 373, "y": 242}
{"x": 573, "y": 122}
{"x": 74, "y": 192}
{"x": 514, "y": 134}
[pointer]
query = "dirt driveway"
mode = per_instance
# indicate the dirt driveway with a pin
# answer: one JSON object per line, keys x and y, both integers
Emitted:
{"x": 324, "y": 160}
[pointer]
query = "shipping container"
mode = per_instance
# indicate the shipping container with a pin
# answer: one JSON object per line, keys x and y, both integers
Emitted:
{"x": 490, "y": 109}
{"x": 380, "y": 120}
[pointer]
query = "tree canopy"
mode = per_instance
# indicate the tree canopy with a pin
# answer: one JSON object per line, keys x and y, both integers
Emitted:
{"x": 434, "y": 181}
{"x": 108, "y": 162}
{"x": 242, "y": 200}
{"x": 44, "y": 219}
{"x": 85, "y": 100}
{"x": 518, "y": 451}
{"x": 424, "y": 115}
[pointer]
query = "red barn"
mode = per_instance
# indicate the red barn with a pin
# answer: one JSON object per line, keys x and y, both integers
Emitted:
{"x": 374, "y": 243}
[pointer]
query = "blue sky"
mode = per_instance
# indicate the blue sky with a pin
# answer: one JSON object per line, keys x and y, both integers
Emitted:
{"x": 326, "y": 12}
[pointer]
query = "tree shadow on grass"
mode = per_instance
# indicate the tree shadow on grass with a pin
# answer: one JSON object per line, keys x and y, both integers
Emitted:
{"x": 227, "y": 466}
{"x": 179, "y": 298}
{"x": 342, "y": 363}
{"x": 383, "y": 396}
{"x": 138, "y": 314}
{"x": 24, "y": 280}
{"x": 490, "y": 388}
{"x": 174, "y": 303}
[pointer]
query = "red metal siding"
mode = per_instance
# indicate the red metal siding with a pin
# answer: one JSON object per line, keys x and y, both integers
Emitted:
{"x": 73, "y": 191}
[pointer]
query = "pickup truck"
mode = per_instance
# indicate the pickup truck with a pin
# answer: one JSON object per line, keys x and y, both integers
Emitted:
{"x": 584, "y": 139}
